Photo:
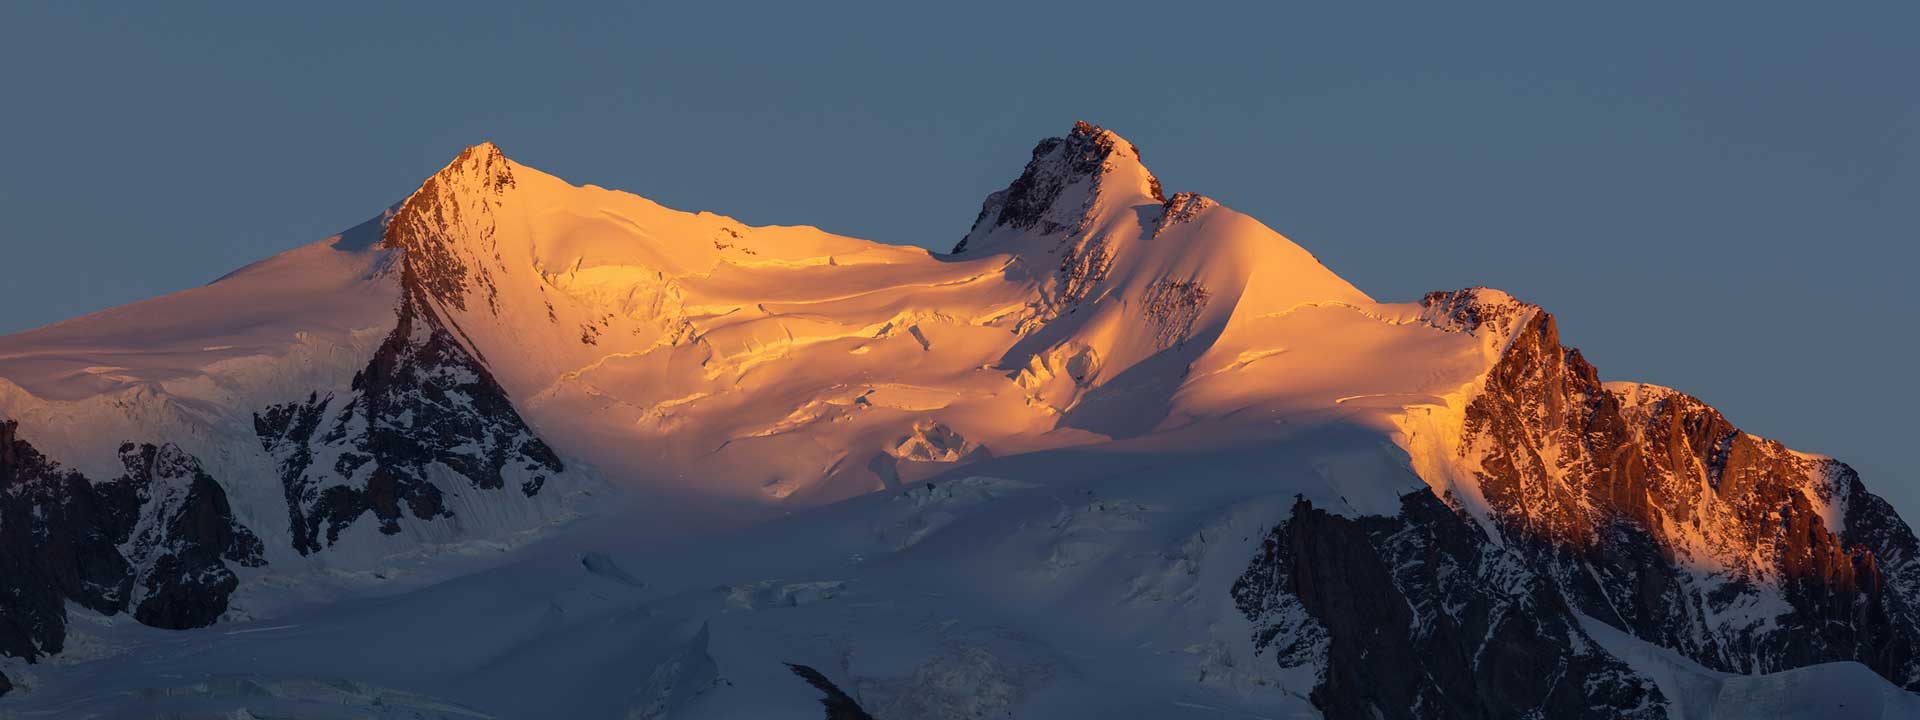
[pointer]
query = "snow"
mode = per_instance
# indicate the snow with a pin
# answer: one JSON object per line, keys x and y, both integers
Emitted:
{"x": 951, "y": 483}
{"x": 755, "y": 340}
{"x": 1827, "y": 691}
{"x": 969, "y": 582}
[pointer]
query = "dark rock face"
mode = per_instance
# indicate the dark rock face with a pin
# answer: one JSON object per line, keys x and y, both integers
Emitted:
{"x": 59, "y": 538}
{"x": 186, "y": 538}
{"x": 1661, "y": 518}
{"x": 1183, "y": 207}
{"x": 1423, "y": 616}
{"x": 1172, "y": 306}
{"x": 1058, "y": 163}
{"x": 423, "y": 401}
{"x": 1633, "y": 505}
{"x": 839, "y": 705}
{"x": 1053, "y": 199}
{"x": 462, "y": 196}
{"x": 159, "y": 538}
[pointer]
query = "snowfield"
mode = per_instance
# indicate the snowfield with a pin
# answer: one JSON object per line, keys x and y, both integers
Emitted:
{"x": 1016, "y": 480}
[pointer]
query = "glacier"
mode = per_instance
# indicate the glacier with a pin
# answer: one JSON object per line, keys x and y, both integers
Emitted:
{"x": 520, "y": 448}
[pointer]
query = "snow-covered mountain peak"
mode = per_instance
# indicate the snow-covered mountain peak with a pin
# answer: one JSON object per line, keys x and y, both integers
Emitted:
{"x": 1483, "y": 312}
{"x": 446, "y": 227}
{"x": 1063, "y": 190}
{"x": 1142, "y": 406}
{"x": 483, "y": 164}
{"x": 480, "y": 170}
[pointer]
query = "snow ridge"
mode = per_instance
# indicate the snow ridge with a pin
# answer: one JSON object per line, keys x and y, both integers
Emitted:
{"x": 1117, "y": 453}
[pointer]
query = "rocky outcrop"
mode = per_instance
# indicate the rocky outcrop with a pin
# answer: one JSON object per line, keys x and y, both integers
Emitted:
{"x": 1659, "y": 517}
{"x": 1568, "y": 501}
{"x": 1183, "y": 207}
{"x": 423, "y": 406}
{"x": 425, "y": 411}
{"x": 1633, "y": 505}
{"x": 59, "y": 540}
{"x": 1053, "y": 209}
{"x": 1034, "y": 201}
{"x": 839, "y": 705}
{"x": 1172, "y": 306}
{"x": 1424, "y": 616}
{"x": 184, "y": 540}
{"x": 161, "y": 539}
{"x": 458, "y": 201}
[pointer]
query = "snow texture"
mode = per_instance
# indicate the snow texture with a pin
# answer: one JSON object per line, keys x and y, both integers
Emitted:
{"x": 520, "y": 448}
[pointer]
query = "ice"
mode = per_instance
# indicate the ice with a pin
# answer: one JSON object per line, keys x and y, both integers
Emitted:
{"x": 1018, "y": 479}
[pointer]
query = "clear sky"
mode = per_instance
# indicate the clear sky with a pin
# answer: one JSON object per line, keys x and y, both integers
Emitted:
{"x": 1719, "y": 198}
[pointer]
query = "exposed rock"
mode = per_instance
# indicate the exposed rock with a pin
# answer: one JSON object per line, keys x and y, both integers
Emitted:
{"x": 423, "y": 402}
{"x": 161, "y": 536}
{"x": 839, "y": 705}
{"x": 59, "y": 538}
{"x": 1576, "y": 501}
{"x": 1172, "y": 306}
{"x": 1056, "y": 164}
{"x": 1183, "y": 207}
{"x": 161, "y": 540}
{"x": 184, "y": 540}
{"x": 1478, "y": 311}
{"x": 1083, "y": 265}
{"x": 1034, "y": 200}
{"x": 462, "y": 195}
{"x": 1423, "y": 616}
{"x": 1659, "y": 517}
{"x": 1637, "y": 506}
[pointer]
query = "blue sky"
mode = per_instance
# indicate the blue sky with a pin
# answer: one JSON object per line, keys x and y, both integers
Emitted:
{"x": 1722, "y": 198}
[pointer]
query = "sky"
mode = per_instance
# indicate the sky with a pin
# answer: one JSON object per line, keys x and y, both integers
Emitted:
{"x": 1722, "y": 198}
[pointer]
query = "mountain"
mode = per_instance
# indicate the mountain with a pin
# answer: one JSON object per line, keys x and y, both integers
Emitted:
{"x": 519, "y": 448}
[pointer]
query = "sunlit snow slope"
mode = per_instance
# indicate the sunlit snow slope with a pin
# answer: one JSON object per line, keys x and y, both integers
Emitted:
{"x": 520, "y": 448}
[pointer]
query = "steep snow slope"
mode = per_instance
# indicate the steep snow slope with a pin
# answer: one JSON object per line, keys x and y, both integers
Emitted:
{"x": 1831, "y": 691}
{"x": 181, "y": 364}
{"x": 624, "y": 328}
{"x": 519, "y": 448}
{"x": 695, "y": 355}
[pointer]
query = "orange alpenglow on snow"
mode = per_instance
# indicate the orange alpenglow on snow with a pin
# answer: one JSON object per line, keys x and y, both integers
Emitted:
{"x": 1115, "y": 433}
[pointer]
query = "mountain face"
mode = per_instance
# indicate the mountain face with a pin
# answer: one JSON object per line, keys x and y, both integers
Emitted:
{"x": 1663, "y": 519}
{"x": 423, "y": 408}
{"x": 159, "y": 540}
{"x": 1627, "y": 504}
{"x": 1119, "y": 452}
{"x": 1423, "y": 615}
{"x": 425, "y": 419}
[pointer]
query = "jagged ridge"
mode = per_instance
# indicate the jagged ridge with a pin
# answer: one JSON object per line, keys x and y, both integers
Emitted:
{"x": 1083, "y": 307}
{"x": 1663, "y": 519}
{"x": 160, "y": 538}
{"x": 424, "y": 400}
{"x": 1636, "y": 506}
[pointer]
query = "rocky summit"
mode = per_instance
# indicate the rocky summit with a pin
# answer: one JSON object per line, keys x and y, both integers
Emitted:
{"x": 519, "y": 448}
